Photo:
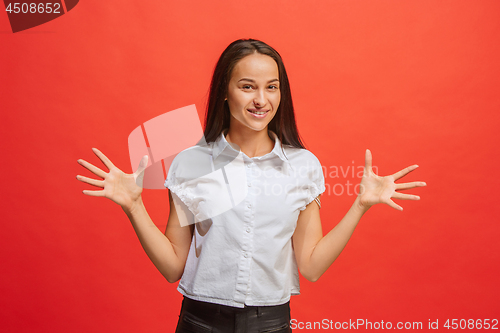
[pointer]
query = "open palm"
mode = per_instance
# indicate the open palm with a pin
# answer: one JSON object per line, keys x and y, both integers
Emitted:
{"x": 375, "y": 189}
{"x": 122, "y": 188}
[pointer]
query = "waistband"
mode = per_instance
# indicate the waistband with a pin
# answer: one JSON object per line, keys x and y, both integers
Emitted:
{"x": 192, "y": 305}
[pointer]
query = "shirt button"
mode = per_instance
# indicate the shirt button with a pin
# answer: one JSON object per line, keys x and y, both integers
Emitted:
{"x": 248, "y": 230}
{"x": 249, "y": 205}
{"x": 246, "y": 255}
{"x": 249, "y": 165}
{"x": 249, "y": 184}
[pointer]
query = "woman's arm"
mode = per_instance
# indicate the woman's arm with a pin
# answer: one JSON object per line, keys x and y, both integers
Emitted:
{"x": 315, "y": 253}
{"x": 168, "y": 251}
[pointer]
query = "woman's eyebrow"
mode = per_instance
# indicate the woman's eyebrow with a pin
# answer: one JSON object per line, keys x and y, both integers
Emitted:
{"x": 245, "y": 79}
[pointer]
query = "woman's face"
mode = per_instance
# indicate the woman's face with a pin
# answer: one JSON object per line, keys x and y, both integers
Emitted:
{"x": 254, "y": 92}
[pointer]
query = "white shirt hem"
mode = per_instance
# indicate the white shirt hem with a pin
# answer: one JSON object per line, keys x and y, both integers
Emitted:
{"x": 237, "y": 304}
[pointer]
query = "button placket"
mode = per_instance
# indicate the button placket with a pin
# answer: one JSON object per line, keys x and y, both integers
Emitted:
{"x": 243, "y": 279}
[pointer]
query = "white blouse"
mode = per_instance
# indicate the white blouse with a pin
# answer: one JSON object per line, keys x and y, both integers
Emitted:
{"x": 245, "y": 212}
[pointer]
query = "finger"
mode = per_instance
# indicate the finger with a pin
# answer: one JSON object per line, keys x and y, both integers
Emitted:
{"x": 368, "y": 160}
{"x": 394, "y": 205}
{"x": 95, "y": 182}
{"x": 94, "y": 193}
{"x": 103, "y": 158}
{"x": 406, "y": 186}
{"x": 404, "y": 172}
{"x": 92, "y": 168}
{"x": 404, "y": 196}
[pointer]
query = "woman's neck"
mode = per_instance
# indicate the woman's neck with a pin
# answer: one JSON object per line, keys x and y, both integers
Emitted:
{"x": 252, "y": 143}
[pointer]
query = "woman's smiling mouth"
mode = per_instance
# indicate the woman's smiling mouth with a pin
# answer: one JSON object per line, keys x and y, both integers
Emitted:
{"x": 258, "y": 113}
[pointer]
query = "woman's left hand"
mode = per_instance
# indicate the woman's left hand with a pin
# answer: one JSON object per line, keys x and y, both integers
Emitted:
{"x": 375, "y": 189}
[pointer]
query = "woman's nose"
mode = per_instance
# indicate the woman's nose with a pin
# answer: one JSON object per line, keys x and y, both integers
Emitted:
{"x": 259, "y": 99}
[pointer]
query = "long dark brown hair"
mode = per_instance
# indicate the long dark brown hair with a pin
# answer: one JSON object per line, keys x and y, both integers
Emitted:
{"x": 217, "y": 114}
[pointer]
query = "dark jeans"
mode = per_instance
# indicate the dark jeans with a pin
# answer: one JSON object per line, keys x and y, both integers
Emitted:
{"x": 200, "y": 317}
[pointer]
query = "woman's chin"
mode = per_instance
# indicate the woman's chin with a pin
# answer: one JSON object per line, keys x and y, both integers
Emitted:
{"x": 257, "y": 127}
{"x": 252, "y": 123}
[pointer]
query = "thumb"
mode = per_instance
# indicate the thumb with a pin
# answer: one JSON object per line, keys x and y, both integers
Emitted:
{"x": 142, "y": 164}
{"x": 368, "y": 160}
{"x": 139, "y": 173}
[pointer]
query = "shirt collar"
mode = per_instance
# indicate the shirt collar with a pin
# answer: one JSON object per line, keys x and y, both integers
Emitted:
{"x": 221, "y": 143}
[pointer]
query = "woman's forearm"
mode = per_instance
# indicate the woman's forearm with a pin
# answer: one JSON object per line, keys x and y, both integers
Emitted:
{"x": 157, "y": 245}
{"x": 331, "y": 245}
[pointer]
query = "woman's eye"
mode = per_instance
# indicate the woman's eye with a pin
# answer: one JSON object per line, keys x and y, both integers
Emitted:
{"x": 247, "y": 87}
{"x": 273, "y": 87}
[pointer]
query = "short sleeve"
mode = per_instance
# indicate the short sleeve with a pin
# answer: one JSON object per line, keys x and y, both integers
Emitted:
{"x": 203, "y": 189}
{"x": 179, "y": 186}
{"x": 314, "y": 179}
{"x": 184, "y": 176}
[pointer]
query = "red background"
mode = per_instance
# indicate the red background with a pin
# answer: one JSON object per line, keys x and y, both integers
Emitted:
{"x": 414, "y": 81}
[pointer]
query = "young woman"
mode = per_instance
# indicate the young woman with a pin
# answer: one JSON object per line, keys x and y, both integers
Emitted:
{"x": 244, "y": 207}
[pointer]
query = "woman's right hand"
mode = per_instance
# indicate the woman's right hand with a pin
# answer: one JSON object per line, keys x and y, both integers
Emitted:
{"x": 122, "y": 188}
